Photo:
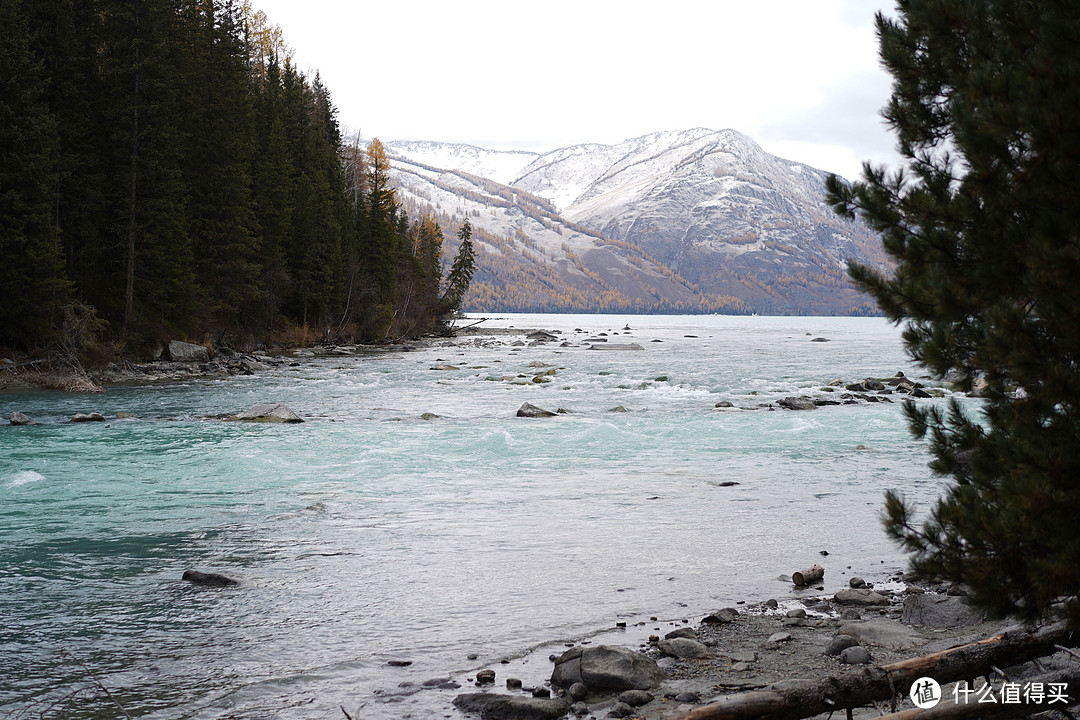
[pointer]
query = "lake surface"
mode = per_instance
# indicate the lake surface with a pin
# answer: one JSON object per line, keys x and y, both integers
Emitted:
{"x": 369, "y": 534}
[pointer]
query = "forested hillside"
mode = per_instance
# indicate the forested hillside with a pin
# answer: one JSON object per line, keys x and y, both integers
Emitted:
{"x": 166, "y": 172}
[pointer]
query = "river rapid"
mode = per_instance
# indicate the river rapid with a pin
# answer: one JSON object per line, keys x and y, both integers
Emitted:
{"x": 375, "y": 532}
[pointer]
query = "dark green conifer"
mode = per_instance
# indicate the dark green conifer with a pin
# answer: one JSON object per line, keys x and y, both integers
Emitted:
{"x": 461, "y": 272}
{"x": 983, "y": 223}
{"x": 218, "y": 164}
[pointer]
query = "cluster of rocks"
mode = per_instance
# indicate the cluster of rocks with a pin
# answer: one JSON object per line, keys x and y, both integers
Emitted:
{"x": 264, "y": 413}
{"x": 267, "y": 413}
{"x": 223, "y": 364}
{"x": 186, "y": 361}
{"x": 22, "y": 419}
{"x": 528, "y": 410}
{"x": 868, "y": 390}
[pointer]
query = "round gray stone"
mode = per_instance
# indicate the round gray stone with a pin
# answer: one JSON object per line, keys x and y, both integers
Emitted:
{"x": 855, "y": 655}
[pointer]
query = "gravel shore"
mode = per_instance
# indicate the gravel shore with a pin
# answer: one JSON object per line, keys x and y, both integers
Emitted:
{"x": 772, "y": 644}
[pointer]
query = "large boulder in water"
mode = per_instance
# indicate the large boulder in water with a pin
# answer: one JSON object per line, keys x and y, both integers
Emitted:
{"x": 607, "y": 668}
{"x": 87, "y": 417}
{"x": 18, "y": 418}
{"x": 511, "y": 707}
{"x": 800, "y": 402}
{"x": 180, "y": 351}
{"x": 531, "y": 411}
{"x": 267, "y": 413}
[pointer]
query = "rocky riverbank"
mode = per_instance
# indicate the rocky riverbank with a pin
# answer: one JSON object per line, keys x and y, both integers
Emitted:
{"x": 184, "y": 362}
{"x": 187, "y": 361}
{"x": 771, "y": 645}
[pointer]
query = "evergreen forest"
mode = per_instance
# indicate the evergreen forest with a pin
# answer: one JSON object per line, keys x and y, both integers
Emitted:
{"x": 166, "y": 172}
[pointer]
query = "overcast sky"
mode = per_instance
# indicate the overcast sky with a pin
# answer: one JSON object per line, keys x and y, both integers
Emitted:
{"x": 800, "y": 77}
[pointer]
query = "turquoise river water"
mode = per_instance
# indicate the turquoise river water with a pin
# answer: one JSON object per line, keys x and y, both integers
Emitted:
{"x": 368, "y": 534}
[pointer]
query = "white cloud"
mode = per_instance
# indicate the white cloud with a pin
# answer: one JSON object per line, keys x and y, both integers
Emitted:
{"x": 791, "y": 74}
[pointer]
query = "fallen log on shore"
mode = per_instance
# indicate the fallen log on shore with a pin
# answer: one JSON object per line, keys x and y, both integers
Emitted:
{"x": 884, "y": 682}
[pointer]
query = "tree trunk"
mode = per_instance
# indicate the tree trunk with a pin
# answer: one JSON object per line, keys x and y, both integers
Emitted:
{"x": 866, "y": 685}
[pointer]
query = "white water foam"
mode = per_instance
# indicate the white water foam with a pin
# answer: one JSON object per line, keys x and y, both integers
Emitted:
{"x": 23, "y": 477}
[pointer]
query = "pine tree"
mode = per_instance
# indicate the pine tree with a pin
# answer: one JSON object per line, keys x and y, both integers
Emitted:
{"x": 379, "y": 239}
{"x": 272, "y": 192}
{"x": 461, "y": 272}
{"x": 219, "y": 163}
{"x": 427, "y": 252}
{"x": 983, "y": 224}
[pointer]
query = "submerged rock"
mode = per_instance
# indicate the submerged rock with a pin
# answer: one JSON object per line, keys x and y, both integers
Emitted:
{"x": 616, "y": 346}
{"x": 267, "y": 413}
{"x": 208, "y": 579}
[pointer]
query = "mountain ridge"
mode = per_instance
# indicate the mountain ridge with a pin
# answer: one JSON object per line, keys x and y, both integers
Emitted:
{"x": 729, "y": 223}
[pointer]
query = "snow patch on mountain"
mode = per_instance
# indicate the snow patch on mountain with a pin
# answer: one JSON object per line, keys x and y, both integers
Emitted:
{"x": 502, "y": 166}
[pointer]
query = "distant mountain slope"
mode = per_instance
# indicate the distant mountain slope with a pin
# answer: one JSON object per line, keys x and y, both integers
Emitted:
{"x": 697, "y": 220}
{"x": 531, "y": 259}
{"x": 720, "y": 211}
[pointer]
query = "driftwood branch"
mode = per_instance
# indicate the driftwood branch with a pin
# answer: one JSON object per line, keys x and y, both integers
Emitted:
{"x": 877, "y": 683}
{"x": 451, "y": 330}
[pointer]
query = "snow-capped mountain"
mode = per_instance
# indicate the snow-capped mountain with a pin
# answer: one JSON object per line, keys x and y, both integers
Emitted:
{"x": 528, "y": 257}
{"x": 710, "y": 210}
